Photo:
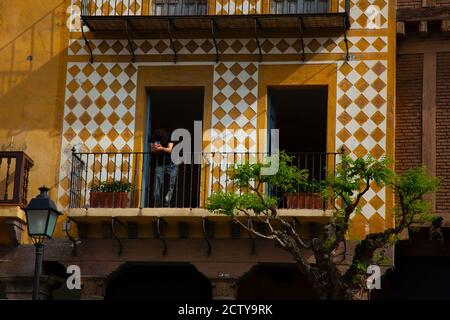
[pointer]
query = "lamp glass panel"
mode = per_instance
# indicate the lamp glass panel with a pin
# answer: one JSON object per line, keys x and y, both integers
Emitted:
{"x": 51, "y": 223}
{"x": 37, "y": 220}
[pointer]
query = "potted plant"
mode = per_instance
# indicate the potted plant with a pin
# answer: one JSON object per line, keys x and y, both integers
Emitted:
{"x": 109, "y": 194}
{"x": 305, "y": 197}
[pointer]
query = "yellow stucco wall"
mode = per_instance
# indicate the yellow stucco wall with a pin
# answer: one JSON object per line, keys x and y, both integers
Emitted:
{"x": 33, "y": 50}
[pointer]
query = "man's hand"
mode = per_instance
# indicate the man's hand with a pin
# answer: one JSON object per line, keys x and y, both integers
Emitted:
{"x": 156, "y": 147}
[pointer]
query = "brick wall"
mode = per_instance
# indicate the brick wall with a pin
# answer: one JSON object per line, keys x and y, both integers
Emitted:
{"x": 443, "y": 132}
{"x": 408, "y": 129}
{"x": 410, "y": 3}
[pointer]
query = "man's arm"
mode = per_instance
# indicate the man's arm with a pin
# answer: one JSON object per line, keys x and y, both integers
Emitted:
{"x": 167, "y": 149}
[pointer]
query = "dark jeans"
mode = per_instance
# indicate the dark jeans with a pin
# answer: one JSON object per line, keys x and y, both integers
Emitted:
{"x": 160, "y": 173}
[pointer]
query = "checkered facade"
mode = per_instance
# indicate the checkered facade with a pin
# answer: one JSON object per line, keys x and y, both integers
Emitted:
{"x": 100, "y": 98}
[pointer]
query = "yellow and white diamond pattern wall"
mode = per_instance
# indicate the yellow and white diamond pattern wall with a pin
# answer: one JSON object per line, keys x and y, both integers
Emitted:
{"x": 367, "y": 14}
{"x": 99, "y": 113}
{"x": 357, "y": 44}
{"x": 361, "y": 111}
{"x": 225, "y": 7}
{"x": 117, "y": 7}
{"x": 234, "y": 107}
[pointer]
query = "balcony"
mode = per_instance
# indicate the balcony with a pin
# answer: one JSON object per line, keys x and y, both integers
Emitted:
{"x": 129, "y": 180}
{"x": 14, "y": 170}
{"x": 213, "y": 18}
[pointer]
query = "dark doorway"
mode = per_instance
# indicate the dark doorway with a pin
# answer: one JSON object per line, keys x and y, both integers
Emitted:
{"x": 159, "y": 282}
{"x": 170, "y": 109}
{"x": 301, "y": 116}
{"x": 274, "y": 282}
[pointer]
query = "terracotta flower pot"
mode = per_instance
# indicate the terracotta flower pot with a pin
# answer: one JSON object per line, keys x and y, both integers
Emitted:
{"x": 108, "y": 199}
{"x": 303, "y": 200}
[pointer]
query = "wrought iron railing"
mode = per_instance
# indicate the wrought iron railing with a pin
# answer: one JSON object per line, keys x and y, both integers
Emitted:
{"x": 202, "y": 7}
{"x": 139, "y": 179}
{"x": 14, "y": 170}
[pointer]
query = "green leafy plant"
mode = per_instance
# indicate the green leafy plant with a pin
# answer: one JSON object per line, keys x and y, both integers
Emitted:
{"x": 343, "y": 190}
{"x": 111, "y": 186}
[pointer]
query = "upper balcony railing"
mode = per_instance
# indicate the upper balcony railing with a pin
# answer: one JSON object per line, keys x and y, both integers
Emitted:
{"x": 135, "y": 180}
{"x": 204, "y": 7}
{"x": 14, "y": 170}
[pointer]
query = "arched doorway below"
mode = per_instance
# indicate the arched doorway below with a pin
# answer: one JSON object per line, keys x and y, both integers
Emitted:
{"x": 159, "y": 282}
{"x": 274, "y": 282}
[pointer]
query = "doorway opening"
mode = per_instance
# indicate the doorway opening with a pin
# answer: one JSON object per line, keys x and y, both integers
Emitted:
{"x": 171, "y": 108}
{"x": 160, "y": 282}
{"x": 301, "y": 115}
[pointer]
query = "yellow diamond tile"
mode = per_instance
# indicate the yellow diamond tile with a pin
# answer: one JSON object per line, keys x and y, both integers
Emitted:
{"x": 249, "y": 113}
{"x": 112, "y": 134}
{"x": 101, "y": 86}
{"x": 378, "y": 84}
{"x": 85, "y": 118}
{"x": 114, "y": 102}
{"x": 377, "y": 134}
{"x": 329, "y": 45}
{"x": 250, "y": 83}
{"x": 220, "y": 84}
{"x": 378, "y": 68}
{"x": 344, "y": 118}
{"x": 251, "y": 69}
{"x": 361, "y": 118}
{"x": 84, "y": 134}
{"x": 379, "y": 44}
{"x": 361, "y": 85}
{"x": 234, "y": 98}
{"x": 250, "y": 98}
{"x": 235, "y": 83}
{"x": 219, "y": 126}
{"x": 234, "y": 113}
{"x": 345, "y": 69}
{"x": 313, "y": 45}
{"x": 115, "y": 86}
{"x": 87, "y": 86}
{"x": 127, "y": 118}
{"x": 361, "y": 101}
{"x": 377, "y": 117}
{"x": 73, "y": 86}
{"x": 102, "y": 70}
{"x": 219, "y": 113}
{"x": 378, "y": 101}
{"x": 362, "y": 68}
{"x": 130, "y": 70}
{"x": 360, "y": 134}
{"x": 73, "y": 70}
{"x": 362, "y": 44}
{"x": 360, "y": 151}
{"x": 86, "y": 102}
{"x": 128, "y": 102}
{"x": 345, "y": 85}
{"x": 113, "y": 118}
{"x": 221, "y": 69}
{"x": 116, "y": 70}
{"x": 99, "y": 118}
{"x": 69, "y": 134}
{"x": 376, "y": 202}
{"x": 344, "y": 135}
{"x": 344, "y": 101}
{"x": 129, "y": 86}
{"x": 233, "y": 126}
{"x": 377, "y": 151}
{"x": 87, "y": 70}
{"x": 236, "y": 69}
{"x": 220, "y": 98}
{"x": 70, "y": 118}
{"x": 71, "y": 102}
{"x": 98, "y": 134}
{"x": 100, "y": 102}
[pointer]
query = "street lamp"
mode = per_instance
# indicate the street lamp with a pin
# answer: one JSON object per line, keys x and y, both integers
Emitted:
{"x": 42, "y": 215}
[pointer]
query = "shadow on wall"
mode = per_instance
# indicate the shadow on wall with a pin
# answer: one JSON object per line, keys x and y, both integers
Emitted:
{"x": 32, "y": 78}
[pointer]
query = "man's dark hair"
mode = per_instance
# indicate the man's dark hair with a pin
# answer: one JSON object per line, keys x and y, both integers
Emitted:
{"x": 162, "y": 136}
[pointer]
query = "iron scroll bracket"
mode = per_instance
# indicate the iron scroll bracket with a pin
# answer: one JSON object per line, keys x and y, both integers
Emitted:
{"x": 159, "y": 233}
{"x": 213, "y": 35}
{"x": 256, "y": 27}
{"x": 130, "y": 41}
{"x": 71, "y": 238}
{"x": 347, "y": 55}
{"x": 115, "y": 220}
{"x": 172, "y": 43}
{"x": 87, "y": 43}
{"x": 302, "y": 42}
